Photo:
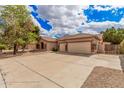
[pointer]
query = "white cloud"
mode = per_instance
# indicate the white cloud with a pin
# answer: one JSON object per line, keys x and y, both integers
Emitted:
{"x": 85, "y": 6}
{"x": 96, "y": 27}
{"x": 121, "y": 21}
{"x": 106, "y": 8}
{"x": 68, "y": 20}
{"x": 90, "y": 31}
{"x": 99, "y": 8}
{"x": 117, "y": 6}
{"x": 65, "y": 19}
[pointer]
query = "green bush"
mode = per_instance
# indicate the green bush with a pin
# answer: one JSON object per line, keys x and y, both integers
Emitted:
{"x": 55, "y": 49}
{"x": 122, "y": 47}
{"x": 2, "y": 46}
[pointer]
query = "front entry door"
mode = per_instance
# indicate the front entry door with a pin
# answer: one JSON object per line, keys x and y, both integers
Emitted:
{"x": 42, "y": 45}
{"x": 66, "y": 47}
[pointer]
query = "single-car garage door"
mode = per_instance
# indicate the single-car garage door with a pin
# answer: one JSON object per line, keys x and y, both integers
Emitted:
{"x": 79, "y": 47}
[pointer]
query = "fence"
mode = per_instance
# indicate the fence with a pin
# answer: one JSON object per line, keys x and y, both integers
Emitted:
{"x": 112, "y": 49}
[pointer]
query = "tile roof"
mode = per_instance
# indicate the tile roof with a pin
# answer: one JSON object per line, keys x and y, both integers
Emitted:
{"x": 83, "y": 35}
{"x": 49, "y": 39}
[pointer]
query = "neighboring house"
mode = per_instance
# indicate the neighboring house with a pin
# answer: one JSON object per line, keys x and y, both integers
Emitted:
{"x": 79, "y": 43}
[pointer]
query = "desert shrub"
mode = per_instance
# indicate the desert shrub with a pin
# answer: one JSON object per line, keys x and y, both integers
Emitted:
{"x": 2, "y": 46}
{"x": 55, "y": 49}
{"x": 122, "y": 47}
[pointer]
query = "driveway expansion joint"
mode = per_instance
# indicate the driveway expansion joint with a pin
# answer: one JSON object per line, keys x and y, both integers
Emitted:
{"x": 4, "y": 80}
{"x": 38, "y": 73}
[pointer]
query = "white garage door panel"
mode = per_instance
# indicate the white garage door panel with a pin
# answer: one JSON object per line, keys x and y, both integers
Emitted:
{"x": 79, "y": 47}
{"x": 62, "y": 47}
{"x": 50, "y": 46}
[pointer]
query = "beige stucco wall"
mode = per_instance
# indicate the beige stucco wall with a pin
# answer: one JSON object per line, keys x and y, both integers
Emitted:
{"x": 31, "y": 46}
{"x": 79, "y": 47}
{"x": 50, "y": 46}
{"x": 62, "y": 47}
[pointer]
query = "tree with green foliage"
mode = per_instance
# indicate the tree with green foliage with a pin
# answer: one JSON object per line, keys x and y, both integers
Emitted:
{"x": 19, "y": 28}
{"x": 2, "y": 47}
{"x": 115, "y": 36}
{"x": 2, "y": 43}
{"x": 30, "y": 34}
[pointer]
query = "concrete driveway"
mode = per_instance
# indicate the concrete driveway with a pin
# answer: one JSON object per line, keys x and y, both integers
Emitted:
{"x": 51, "y": 70}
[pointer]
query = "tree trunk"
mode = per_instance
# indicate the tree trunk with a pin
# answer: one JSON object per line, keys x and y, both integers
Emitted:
{"x": 15, "y": 49}
{"x": 23, "y": 48}
{"x": 0, "y": 51}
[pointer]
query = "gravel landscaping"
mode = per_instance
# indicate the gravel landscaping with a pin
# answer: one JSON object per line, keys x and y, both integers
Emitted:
{"x": 102, "y": 77}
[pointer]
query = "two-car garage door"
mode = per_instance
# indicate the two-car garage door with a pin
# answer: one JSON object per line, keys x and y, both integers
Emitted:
{"x": 77, "y": 47}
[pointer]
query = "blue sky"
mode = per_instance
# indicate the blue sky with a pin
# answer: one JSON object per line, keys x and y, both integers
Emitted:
{"x": 106, "y": 15}
{"x": 43, "y": 22}
{"x": 56, "y": 21}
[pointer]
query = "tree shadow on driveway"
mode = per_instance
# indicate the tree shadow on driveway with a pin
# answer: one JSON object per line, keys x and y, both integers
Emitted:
{"x": 121, "y": 57}
{"x": 74, "y": 54}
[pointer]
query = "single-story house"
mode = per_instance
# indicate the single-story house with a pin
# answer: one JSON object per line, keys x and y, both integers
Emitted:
{"x": 79, "y": 43}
